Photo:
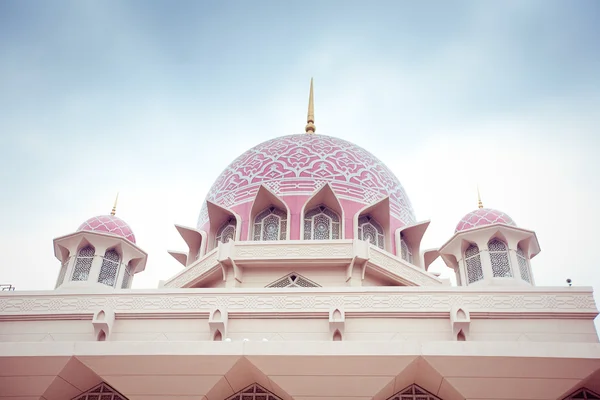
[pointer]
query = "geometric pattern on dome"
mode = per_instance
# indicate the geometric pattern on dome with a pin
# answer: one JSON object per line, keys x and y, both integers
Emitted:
{"x": 108, "y": 224}
{"x": 414, "y": 392}
{"x": 254, "y": 392}
{"x": 482, "y": 217}
{"x": 101, "y": 392}
{"x": 299, "y": 165}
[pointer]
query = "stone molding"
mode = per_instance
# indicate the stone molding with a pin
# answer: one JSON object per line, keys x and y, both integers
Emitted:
{"x": 576, "y": 303}
{"x": 309, "y": 252}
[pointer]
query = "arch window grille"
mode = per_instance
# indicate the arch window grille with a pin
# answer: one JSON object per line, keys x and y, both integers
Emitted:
{"x": 227, "y": 231}
{"x": 101, "y": 391}
{"x": 321, "y": 223}
{"x": 405, "y": 252}
{"x": 498, "y": 251}
{"x": 270, "y": 224}
{"x": 414, "y": 392}
{"x": 127, "y": 275}
{"x": 109, "y": 268}
{"x": 473, "y": 264}
{"x": 292, "y": 280}
{"x": 370, "y": 231}
{"x": 254, "y": 392}
{"x": 62, "y": 273}
{"x": 523, "y": 265}
{"x": 583, "y": 394}
{"x": 83, "y": 264}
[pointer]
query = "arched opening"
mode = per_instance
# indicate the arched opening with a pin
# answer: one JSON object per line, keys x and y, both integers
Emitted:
{"x": 461, "y": 336}
{"x": 83, "y": 264}
{"x": 337, "y": 315}
{"x": 321, "y": 223}
{"x": 460, "y": 314}
{"x": 101, "y": 315}
{"x": 371, "y": 231}
{"x": 523, "y": 265}
{"x": 110, "y": 268}
{"x": 337, "y": 336}
{"x": 102, "y": 336}
{"x": 226, "y": 232}
{"x": 270, "y": 224}
{"x": 218, "y": 337}
{"x": 405, "y": 251}
{"x": 498, "y": 251}
{"x": 473, "y": 264}
{"x": 127, "y": 276}
{"x": 217, "y": 315}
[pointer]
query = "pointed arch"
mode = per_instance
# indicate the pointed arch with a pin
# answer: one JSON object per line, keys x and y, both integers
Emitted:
{"x": 254, "y": 392}
{"x": 83, "y": 263}
{"x": 414, "y": 392}
{"x": 372, "y": 224}
{"x": 325, "y": 196}
{"x": 337, "y": 336}
{"x": 292, "y": 280}
{"x": 524, "y": 268}
{"x": 110, "y": 267}
{"x": 473, "y": 267}
{"x": 104, "y": 391}
{"x": 224, "y": 224}
{"x": 500, "y": 261}
{"x": 264, "y": 200}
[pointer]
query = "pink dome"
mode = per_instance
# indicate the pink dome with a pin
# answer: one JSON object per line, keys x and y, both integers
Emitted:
{"x": 108, "y": 224}
{"x": 482, "y": 217}
{"x": 297, "y": 165}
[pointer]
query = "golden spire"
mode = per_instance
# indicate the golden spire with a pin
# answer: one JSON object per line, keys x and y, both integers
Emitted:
{"x": 114, "y": 210}
{"x": 310, "y": 126}
{"x": 479, "y": 203}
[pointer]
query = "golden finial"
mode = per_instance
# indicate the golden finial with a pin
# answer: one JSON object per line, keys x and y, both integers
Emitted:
{"x": 310, "y": 126}
{"x": 479, "y": 203}
{"x": 114, "y": 210}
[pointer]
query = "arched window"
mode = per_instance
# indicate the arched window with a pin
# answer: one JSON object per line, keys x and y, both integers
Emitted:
{"x": 270, "y": 224}
{"x": 83, "y": 264}
{"x": 110, "y": 268}
{"x": 405, "y": 252}
{"x": 523, "y": 265}
{"x": 473, "y": 264}
{"x": 499, "y": 257}
{"x": 227, "y": 231}
{"x": 321, "y": 223}
{"x": 370, "y": 231}
{"x": 128, "y": 273}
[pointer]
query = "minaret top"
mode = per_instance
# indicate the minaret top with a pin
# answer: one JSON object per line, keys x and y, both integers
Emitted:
{"x": 310, "y": 126}
{"x": 479, "y": 203}
{"x": 114, "y": 209}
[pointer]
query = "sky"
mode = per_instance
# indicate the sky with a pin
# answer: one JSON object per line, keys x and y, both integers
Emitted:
{"x": 154, "y": 99}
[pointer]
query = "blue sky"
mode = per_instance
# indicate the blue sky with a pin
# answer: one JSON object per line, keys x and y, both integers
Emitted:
{"x": 154, "y": 98}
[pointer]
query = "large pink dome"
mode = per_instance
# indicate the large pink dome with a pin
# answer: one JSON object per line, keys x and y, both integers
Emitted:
{"x": 482, "y": 217}
{"x": 300, "y": 164}
{"x": 108, "y": 224}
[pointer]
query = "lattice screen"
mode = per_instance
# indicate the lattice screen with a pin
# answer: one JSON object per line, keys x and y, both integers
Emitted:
{"x": 414, "y": 392}
{"x": 499, "y": 258}
{"x": 254, "y": 392}
{"x": 292, "y": 280}
{"x": 101, "y": 392}
{"x": 523, "y": 265}
{"x": 583, "y": 394}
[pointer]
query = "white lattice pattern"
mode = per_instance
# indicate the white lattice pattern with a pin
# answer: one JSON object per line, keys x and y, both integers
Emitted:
{"x": 499, "y": 258}
{"x": 321, "y": 223}
{"x": 482, "y": 217}
{"x": 101, "y": 392}
{"x": 298, "y": 164}
{"x": 227, "y": 231}
{"x": 405, "y": 252}
{"x": 523, "y": 265}
{"x": 110, "y": 268}
{"x": 414, "y": 392}
{"x": 108, "y": 224}
{"x": 473, "y": 264}
{"x": 270, "y": 224}
{"x": 254, "y": 392}
{"x": 127, "y": 275}
{"x": 583, "y": 394}
{"x": 292, "y": 280}
{"x": 83, "y": 264}
{"x": 370, "y": 231}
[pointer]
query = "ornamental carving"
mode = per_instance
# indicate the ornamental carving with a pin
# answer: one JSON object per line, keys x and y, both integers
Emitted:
{"x": 300, "y": 164}
{"x": 482, "y": 217}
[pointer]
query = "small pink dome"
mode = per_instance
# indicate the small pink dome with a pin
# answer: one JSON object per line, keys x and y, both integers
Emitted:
{"x": 108, "y": 224}
{"x": 482, "y": 217}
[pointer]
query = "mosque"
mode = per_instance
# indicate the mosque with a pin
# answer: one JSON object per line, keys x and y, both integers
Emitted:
{"x": 303, "y": 279}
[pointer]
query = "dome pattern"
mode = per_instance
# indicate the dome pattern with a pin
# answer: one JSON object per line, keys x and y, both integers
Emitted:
{"x": 108, "y": 224}
{"x": 482, "y": 217}
{"x": 300, "y": 164}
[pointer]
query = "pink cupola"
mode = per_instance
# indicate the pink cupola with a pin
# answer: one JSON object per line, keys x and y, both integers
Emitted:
{"x": 100, "y": 254}
{"x": 488, "y": 248}
{"x": 306, "y": 187}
